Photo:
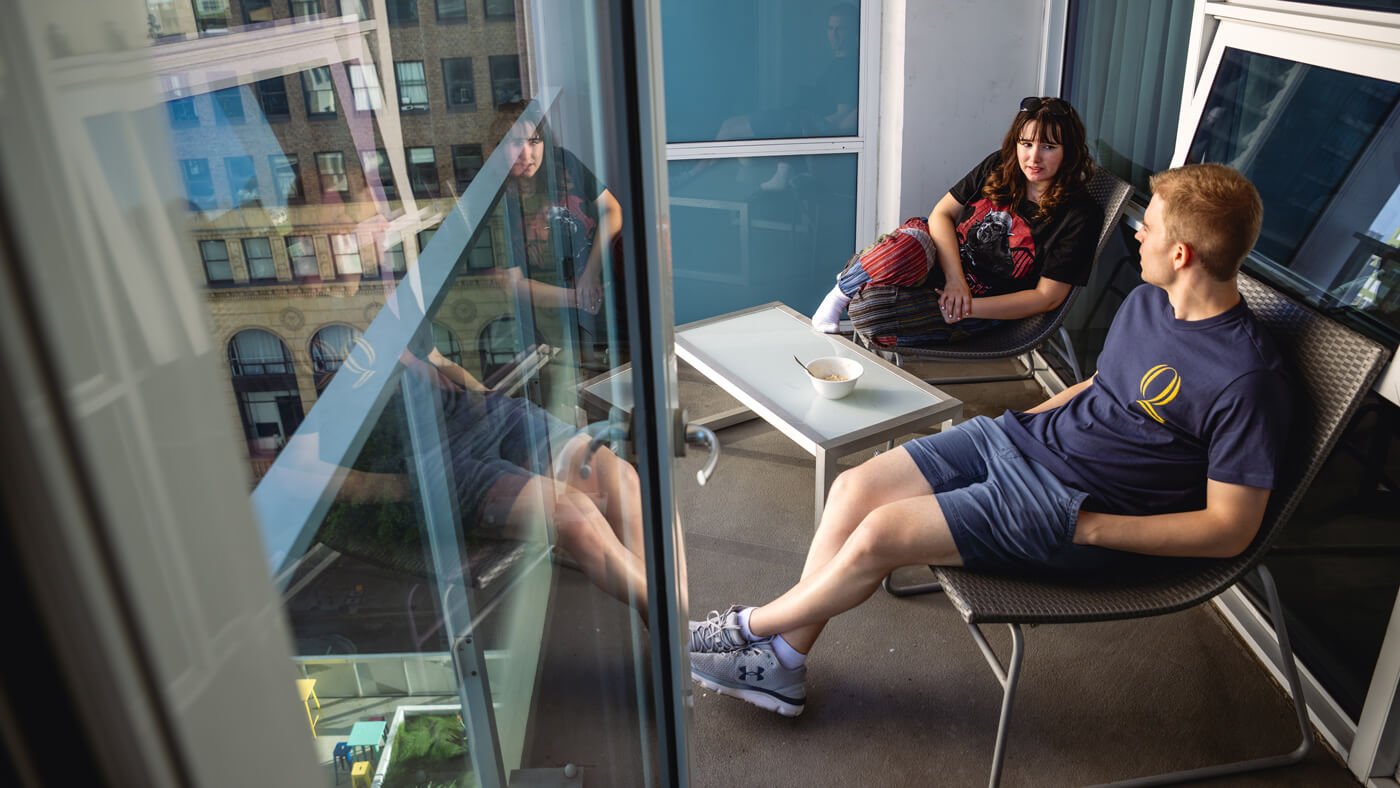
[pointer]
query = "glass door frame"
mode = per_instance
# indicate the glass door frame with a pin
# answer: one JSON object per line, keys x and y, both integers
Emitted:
{"x": 1366, "y": 44}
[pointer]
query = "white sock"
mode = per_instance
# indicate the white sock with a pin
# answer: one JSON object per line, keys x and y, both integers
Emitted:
{"x": 744, "y": 625}
{"x": 827, "y": 318}
{"x": 788, "y": 656}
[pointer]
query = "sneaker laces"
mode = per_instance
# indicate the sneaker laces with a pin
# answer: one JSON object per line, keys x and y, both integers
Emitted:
{"x": 716, "y": 633}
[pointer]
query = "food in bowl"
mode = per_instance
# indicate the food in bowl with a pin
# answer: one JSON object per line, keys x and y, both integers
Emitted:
{"x": 833, "y": 377}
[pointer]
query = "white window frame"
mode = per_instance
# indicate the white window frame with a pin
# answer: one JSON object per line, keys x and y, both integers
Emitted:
{"x": 865, "y": 143}
{"x": 1366, "y": 43}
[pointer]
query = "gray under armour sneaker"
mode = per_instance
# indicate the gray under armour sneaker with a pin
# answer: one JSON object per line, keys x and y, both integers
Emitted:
{"x": 755, "y": 675}
{"x": 719, "y": 632}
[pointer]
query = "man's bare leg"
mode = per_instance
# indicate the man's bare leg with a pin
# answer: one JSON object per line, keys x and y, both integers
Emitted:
{"x": 582, "y": 529}
{"x": 858, "y": 491}
{"x": 907, "y": 531}
{"x": 614, "y": 485}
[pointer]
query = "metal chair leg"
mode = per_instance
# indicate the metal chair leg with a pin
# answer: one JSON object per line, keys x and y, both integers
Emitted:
{"x": 1067, "y": 352}
{"x": 1300, "y": 706}
{"x": 1008, "y": 678}
{"x": 915, "y": 589}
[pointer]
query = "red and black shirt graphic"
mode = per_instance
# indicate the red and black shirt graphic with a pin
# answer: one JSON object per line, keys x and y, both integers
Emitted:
{"x": 996, "y": 247}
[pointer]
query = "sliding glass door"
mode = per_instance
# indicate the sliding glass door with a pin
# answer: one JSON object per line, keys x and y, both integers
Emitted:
{"x": 311, "y": 291}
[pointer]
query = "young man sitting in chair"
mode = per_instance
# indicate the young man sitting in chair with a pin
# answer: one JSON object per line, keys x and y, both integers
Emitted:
{"x": 1169, "y": 450}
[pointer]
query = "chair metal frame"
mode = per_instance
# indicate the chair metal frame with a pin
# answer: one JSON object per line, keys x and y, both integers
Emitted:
{"x": 1335, "y": 367}
{"x": 1021, "y": 337}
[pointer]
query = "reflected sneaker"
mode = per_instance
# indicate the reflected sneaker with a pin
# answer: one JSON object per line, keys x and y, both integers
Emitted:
{"x": 719, "y": 632}
{"x": 753, "y": 674}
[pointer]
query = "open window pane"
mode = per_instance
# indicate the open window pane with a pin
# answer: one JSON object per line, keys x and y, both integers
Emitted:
{"x": 413, "y": 86}
{"x": 1332, "y": 210}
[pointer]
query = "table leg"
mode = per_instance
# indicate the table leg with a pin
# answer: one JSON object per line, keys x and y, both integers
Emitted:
{"x": 827, "y": 469}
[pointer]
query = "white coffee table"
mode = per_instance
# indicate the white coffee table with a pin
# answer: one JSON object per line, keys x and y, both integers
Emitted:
{"x": 749, "y": 354}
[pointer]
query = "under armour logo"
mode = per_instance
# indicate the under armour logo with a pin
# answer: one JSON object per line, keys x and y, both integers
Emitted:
{"x": 745, "y": 673}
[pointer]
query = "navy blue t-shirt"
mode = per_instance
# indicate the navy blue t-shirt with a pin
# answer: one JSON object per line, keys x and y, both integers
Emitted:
{"x": 1175, "y": 402}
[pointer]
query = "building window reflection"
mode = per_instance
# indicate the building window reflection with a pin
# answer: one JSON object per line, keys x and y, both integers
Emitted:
{"x": 257, "y": 253}
{"x": 180, "y": 102}
{"x": 345, "y": 250}
{"x": 255, "y": 11}
{"x": 466, "y": 163}
{"x": 264, "y": 383}
{"x": 393, "y": 258}
{"x": 286, "y": 176}
{"x": 335, "y": 184}
{"x": 452, "y": 10}
{"x": 329, "y": 349}
{"x": 272, "y": 97}
{"x": 505, "y": 79}
{"x": 402, "y": 12}
{"x": 210, "y": 15}
{"x": 306, "y": 9}
{"x": 413, "y": 86}
{"x": 228, "y": 105}
{"x": 500, "y": 9}
{"x": 457, "y": 81}
{"x": 378, "y": 173}
{"x": 364, "y": 86}
{"x": 446, "y": 343}
{"x": 242, "y": 180}
{"x": 199, "y": 184}
{"x": 320, "y": 92}
{"x": 301, "y": 253}
{"x": 217, "y": 269}
{"x": 422, "y": 172}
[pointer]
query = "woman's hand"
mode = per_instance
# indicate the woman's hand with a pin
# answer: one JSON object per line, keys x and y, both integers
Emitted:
{"x": 588, "y": 290}
{"x": 955, "y": 301}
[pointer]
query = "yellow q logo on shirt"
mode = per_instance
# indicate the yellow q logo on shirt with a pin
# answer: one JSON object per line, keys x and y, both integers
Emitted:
{"x": 1165, "y": 394}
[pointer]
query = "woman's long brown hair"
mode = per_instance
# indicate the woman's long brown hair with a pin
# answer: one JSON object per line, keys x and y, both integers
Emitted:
{"x": 1006, "y": 185}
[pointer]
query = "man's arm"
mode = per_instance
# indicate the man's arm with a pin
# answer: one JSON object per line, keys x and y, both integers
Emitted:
{"x": 1223, "y": 529}
{"x": 1064, "y": 396}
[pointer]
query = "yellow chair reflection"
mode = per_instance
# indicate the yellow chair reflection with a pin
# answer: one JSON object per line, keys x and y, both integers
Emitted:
{"x": 306, "y": 690}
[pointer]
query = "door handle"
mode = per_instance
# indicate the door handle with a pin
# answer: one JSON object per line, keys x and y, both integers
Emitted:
{"x": 697, "y": 435}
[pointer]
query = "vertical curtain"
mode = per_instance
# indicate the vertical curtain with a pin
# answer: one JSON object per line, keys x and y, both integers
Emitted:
{"x": 1126, "y": 66}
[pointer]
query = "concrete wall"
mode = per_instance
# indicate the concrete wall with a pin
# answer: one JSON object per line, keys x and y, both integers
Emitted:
{"x": 966, "y": 65}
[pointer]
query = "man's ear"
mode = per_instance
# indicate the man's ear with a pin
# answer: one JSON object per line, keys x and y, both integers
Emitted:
{"x": 1182, "y": 256}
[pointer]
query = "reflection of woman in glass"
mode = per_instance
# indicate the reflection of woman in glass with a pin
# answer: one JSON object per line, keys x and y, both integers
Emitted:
{"x": 569, "y": 218}
{"x": 1010, "y": 240}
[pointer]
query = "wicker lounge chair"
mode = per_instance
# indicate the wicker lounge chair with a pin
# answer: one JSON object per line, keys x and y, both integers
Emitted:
{"x": 1019, "y": 337}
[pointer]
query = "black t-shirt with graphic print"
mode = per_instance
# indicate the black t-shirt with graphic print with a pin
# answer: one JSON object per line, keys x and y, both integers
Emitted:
{"x": 1175, "y": 403}
{"x": 1005, "y": 251}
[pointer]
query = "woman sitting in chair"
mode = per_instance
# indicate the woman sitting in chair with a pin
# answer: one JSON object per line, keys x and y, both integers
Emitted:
{"x": 1010, "y": 240}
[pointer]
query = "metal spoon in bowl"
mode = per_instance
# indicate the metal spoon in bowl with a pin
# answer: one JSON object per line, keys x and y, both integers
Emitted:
{"x": 800, "y": 364}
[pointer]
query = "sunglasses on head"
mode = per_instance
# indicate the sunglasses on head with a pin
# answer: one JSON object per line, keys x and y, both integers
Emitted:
{"x": 1055, "y": 106}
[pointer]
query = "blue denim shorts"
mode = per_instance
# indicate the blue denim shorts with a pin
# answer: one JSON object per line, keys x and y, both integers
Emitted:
{"x": 1006, "y": 512}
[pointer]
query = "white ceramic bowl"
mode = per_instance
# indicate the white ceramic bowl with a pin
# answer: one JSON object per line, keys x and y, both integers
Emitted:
{"x": 847, "y": 370}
